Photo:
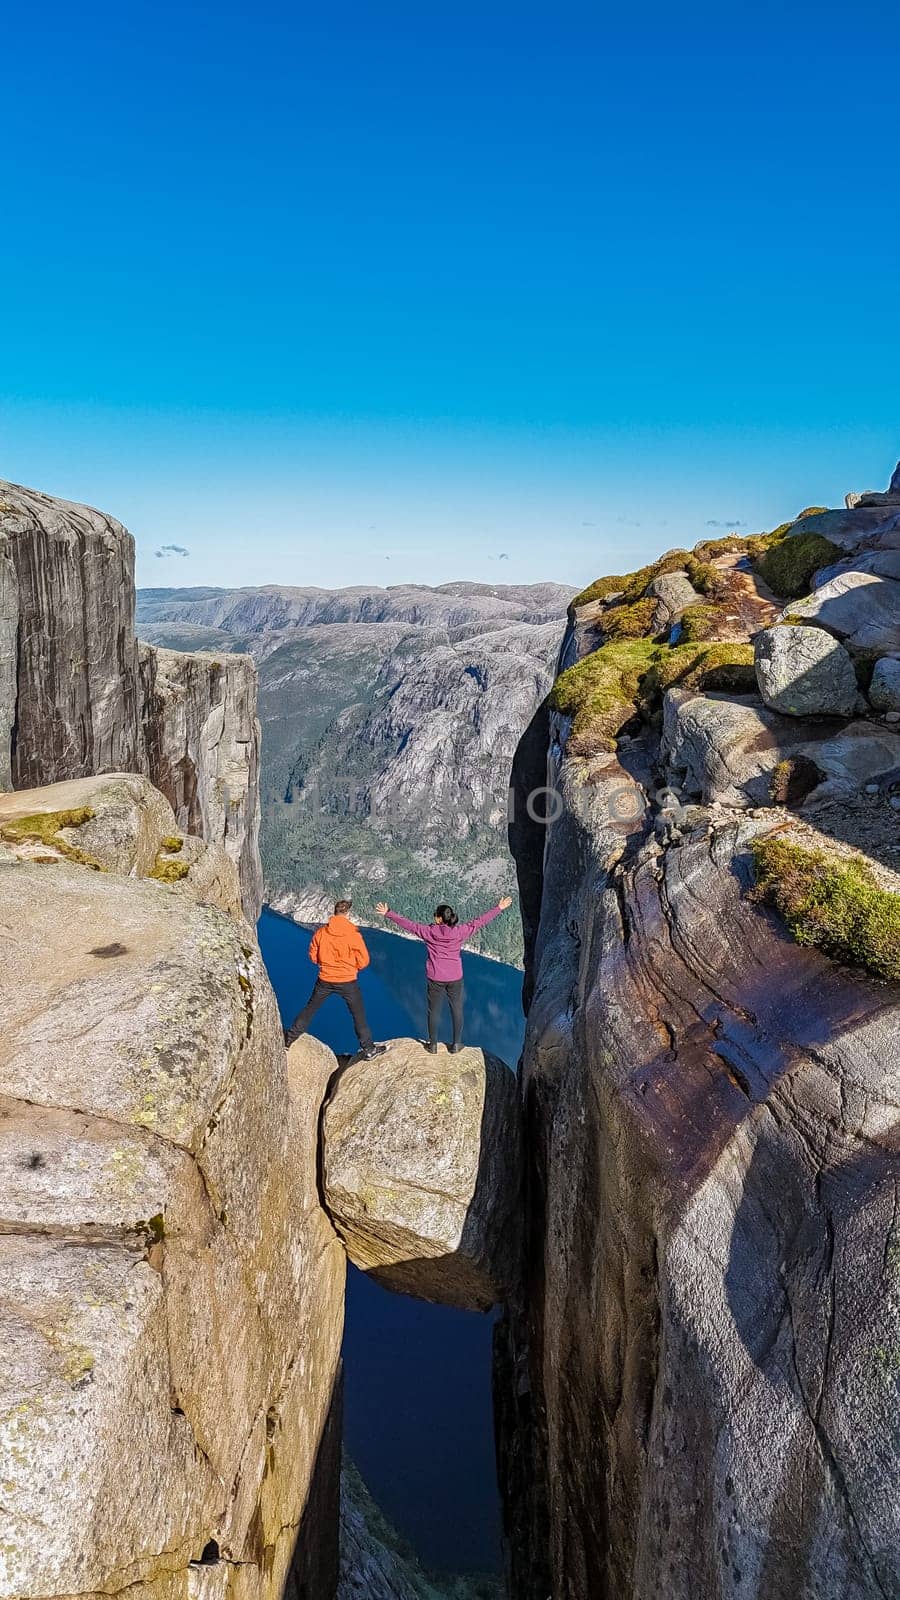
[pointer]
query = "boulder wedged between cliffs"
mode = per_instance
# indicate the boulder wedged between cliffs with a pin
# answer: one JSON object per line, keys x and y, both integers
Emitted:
{"x": 421, "y": 1172}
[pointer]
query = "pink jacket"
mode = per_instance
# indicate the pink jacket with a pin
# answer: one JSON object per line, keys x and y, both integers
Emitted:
{"x": 444, "y": 964}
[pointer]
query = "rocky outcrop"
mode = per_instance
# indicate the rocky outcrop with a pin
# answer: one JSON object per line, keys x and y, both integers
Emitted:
{"x": 117, "y": 823}
{"x": 76, "y": 701}
{"x": 695, "y": 1389}
{"x": 421, "y": 1163}
{"x": 202, "y": 741}
{"x": 172, "y": 1292}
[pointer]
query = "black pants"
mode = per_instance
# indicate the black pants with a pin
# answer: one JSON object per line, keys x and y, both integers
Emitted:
{"x": 350, "y": 993}
{"x": 437, "y": 992}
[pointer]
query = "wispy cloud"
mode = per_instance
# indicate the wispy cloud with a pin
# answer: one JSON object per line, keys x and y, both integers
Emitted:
{"x": 166, "y": 550}
{"x": 628, "y": 522}
{"x": 727, "y": 522}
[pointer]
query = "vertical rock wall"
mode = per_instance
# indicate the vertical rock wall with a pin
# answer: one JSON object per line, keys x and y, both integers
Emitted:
{"x": 79, "y": 696}
{"x": 697, "y": 1389}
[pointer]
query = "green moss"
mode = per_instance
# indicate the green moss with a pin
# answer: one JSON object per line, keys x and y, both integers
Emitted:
{"x": 830, "y": 901}
{"x": 600, "y": 692}
{"x": 167, "y": 871}
{"x": 172, "y": 844}
{"x": 699, "y": 623}
{"x": 44, "y": 827}
{"x": 602, "y": 589}
{"x": 707, "y": 549}
{"x": 703, "y": 666}
{"x": 629, "y": 621}
{"x": 702, "y": 575}
{"x": 628, "y": 677}
{"x": 787, "y": 564}
{"x": 633, "y": 585}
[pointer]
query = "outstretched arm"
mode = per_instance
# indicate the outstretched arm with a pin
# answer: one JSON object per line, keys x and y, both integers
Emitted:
{"x": 468, "y": 928}
{"x": 418, "y": 928}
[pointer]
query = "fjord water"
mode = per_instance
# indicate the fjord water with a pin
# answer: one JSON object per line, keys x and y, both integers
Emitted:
{"x": 417, "y": 1417}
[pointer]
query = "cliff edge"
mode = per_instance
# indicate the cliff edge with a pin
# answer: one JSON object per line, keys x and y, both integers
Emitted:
{"x": 697, "y": 1391}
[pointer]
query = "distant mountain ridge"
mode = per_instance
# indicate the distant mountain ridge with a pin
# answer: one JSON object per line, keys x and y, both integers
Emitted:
{"x": 276, "y": 606}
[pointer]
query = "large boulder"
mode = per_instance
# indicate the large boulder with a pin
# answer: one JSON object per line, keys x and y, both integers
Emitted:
{"x": 69, "y": 682}
{"x": 171, "y": 1294}
{"x": 805, "y": 672}
{"x": 860, "y": 606}
{"x": 422, "y": 1172}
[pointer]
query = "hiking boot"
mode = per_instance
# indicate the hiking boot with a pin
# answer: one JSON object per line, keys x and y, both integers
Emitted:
{"x": 431, "y": 1048}
{"x": 373, "y": 1051}
{"x": 455, "y": 1049}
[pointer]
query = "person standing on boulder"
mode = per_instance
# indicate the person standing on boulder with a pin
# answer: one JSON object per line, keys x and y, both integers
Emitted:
{"x": 444, "y": 938}
{"x": 338, "y": 950}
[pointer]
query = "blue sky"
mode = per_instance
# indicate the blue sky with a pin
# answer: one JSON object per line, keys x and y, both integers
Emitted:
{"x": 403, "y": 291}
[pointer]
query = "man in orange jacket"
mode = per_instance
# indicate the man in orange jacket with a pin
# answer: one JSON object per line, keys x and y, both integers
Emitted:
{"x": 340, "y": 954}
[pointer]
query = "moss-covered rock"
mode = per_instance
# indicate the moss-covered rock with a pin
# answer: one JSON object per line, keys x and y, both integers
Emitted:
{"x": 832, "y": 901}
{"x": 600, "y": 693}
{"x": 787, "y": 565}
{"x": 619, "y": 681}
{"x": 634, "y": 621}
{"x": 701, "y": 666}
{"x": 632, "y": 585}
{"x": 700, "y": 623}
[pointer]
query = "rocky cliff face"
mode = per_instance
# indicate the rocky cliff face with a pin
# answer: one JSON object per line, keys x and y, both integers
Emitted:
{"x": 172, "y": 1292}
{"x": 76, "y": 699}
{"x": 697, "y": 1391}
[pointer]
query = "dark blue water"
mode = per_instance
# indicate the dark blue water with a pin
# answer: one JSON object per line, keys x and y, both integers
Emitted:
{"x": 417, "y": 1417}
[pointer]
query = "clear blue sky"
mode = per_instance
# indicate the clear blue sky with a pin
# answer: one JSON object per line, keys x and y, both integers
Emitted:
{"x": 377, "y": 292}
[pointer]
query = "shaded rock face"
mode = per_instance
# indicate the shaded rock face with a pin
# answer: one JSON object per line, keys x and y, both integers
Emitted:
{"x": 75, "y": 700}
{"x": 421, "y": 1161}
{"x": 696, "y": 1388}
{"x": 172, "y": 1293}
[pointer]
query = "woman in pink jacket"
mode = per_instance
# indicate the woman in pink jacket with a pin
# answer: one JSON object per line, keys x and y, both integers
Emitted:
{"x": 444, "y": 938}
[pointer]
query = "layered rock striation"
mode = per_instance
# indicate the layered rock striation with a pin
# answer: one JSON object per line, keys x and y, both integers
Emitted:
{"x": 77, "y": 698}
{"x": 697, "y": 1387}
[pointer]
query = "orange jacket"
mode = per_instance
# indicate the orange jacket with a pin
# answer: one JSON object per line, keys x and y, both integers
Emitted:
{"x": 338, "y": 951}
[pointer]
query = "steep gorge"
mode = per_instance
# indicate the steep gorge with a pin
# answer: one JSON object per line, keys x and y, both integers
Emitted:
{"x": 696, "y": 1373}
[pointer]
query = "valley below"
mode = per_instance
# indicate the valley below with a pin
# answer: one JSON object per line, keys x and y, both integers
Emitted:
{"x": 390, "y": 719}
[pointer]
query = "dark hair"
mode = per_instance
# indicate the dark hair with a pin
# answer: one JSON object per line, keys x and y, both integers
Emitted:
{"x": 341, "y": 907}
{"x": 446, "y": 915}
